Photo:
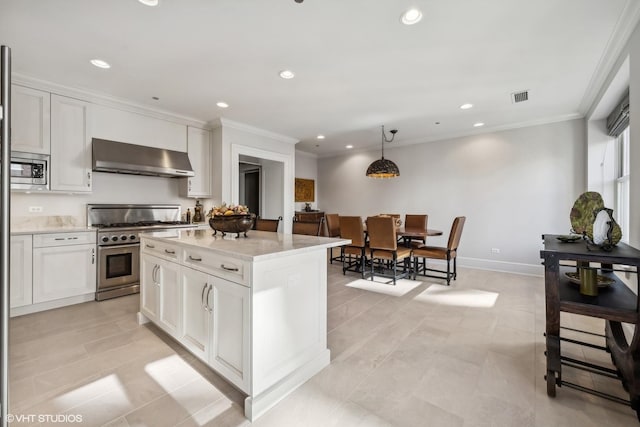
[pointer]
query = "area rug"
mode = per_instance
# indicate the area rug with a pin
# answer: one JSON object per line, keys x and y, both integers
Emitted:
{"x": 448, "y": 295}
{"x": 379, "y": 285}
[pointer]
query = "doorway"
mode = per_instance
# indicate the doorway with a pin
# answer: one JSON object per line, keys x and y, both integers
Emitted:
{"x": 249, "y": 188}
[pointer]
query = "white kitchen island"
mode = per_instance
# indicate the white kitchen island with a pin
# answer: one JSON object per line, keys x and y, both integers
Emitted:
{"x": 254, "y": 309}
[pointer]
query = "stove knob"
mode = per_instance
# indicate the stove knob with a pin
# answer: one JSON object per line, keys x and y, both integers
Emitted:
{"x": 123, "y": 237}
{"x": 114, "y": 238}
{"x": 133, "y": 237}
{"x": 105, "y": 239}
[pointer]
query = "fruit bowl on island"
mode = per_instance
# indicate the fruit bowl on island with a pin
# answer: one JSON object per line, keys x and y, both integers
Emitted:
{"x": 231, "y": 219}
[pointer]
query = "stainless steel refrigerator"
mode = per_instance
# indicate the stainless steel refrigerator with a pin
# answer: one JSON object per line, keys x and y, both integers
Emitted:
{"x": 5, "y": 229}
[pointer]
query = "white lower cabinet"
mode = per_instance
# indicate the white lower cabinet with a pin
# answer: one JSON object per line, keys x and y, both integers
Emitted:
{"x": 161, "y": 297}
{"x": 196, "y": 317}
{"x": 21, "y": 270}
{"x": 63, "y": 271}
{"x": 231, "y": 319}
{"x": 208, "y": 315}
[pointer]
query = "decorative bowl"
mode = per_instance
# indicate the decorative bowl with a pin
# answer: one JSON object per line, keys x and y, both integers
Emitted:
{"x": 232, "y": 224}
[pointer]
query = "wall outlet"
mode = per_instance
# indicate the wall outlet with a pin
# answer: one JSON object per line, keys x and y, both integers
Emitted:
{"x": 495, "y": 250}
{"x": 35, "y": 209}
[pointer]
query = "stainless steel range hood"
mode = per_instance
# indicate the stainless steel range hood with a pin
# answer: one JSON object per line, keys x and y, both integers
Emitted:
{"x": 119, "y": 157}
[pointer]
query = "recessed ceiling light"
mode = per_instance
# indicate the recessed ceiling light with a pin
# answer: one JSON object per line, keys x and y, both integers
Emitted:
{"x": 100, "y": 63}
{"x": 149, "y": 2}
{"x": 287, "y": 74}
{"x": 155, "y": 98}
{"x": 320, "y": 136}
{"x": 222, "y": 104}
{"x": 477, "y": 125}
{"x": 411, "y": 16}
{"x": 348, "y": 147}
{"x": 466, "y": 106}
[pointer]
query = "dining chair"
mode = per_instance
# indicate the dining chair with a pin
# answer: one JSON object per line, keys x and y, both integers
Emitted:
{"x": 307, "y": 228}
{"x": 396, "y": 217}
{"x": 418, "y": 222}
{"x": 332, "y": 222}
{"x": 383, "y": 246}
{"x": 267, "y": 224}
{"x": 354, "y": 254}
{"x": 450, "y": 253}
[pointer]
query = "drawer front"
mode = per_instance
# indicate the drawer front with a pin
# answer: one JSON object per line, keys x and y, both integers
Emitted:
{"x": 63, "y": 239}
{"x": 218, "y": 265}
{"x": 161, "y": 250}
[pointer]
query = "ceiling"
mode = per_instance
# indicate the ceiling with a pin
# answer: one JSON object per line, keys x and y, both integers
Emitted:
{"x": 357, "y": 67}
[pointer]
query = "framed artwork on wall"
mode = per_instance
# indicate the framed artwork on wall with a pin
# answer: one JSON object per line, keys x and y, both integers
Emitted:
{"x": 305, "y": 190}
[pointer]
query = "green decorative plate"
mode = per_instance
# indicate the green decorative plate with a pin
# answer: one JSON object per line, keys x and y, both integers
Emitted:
{"x": 603, "y": 281}
{"x": 569, "y": 238}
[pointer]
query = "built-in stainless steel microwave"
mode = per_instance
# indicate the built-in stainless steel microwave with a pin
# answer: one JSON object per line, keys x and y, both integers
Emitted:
{"x": 29, "y": 171}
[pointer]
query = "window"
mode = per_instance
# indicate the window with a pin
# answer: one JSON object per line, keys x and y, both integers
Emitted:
{"x": 622, "y": 183}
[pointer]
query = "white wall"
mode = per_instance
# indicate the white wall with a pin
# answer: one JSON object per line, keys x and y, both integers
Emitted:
{"x": 272, "y": 185}
{"x": 107, "y": 188}
{"x": 512, "y": 186}
{"x": 307, "y": 168}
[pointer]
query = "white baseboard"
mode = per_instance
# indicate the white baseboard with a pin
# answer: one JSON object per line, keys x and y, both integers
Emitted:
{"x": 493, "y": 265}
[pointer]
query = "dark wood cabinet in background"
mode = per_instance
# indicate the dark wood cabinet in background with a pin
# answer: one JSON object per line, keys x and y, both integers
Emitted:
{"x": 313, "y": 216}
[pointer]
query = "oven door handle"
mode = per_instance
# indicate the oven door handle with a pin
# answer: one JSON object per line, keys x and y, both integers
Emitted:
{"x": 114, "y": 247}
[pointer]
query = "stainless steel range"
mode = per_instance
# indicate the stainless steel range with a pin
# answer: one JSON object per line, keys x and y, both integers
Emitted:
{"x": 119, "y": 242}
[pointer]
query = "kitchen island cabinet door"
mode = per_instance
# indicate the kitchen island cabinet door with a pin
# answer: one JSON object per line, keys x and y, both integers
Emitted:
{"x": 149, "y": 292}
{"x": 31, "y": 120}
{"x": 200, "y": 152}
{"x": 70, "y": 145}
{"x": 231, "y": 319}
{"x": 196, "y": 317}
{"x": 21, "y": 270}
{"x": 63, "y": 271}
{"x": 170, "y": 302}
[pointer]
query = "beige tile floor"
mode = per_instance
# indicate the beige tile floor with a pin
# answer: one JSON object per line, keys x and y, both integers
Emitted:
{"x": 396, "y": 361}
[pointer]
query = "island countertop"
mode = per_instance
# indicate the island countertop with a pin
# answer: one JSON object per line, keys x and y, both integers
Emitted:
{"x": 257, "y": 246}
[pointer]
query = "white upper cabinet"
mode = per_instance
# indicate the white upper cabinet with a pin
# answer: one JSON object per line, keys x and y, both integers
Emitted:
{"x": 200, "y": 152}
{"x": 133, "y": 128}
{"x": 31, "y": 120}
{"x": 70, "y": 145}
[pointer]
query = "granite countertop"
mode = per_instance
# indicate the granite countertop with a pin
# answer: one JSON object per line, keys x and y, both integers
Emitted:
{"x": 258, "y": 246}
{"x": 15, "y": 231}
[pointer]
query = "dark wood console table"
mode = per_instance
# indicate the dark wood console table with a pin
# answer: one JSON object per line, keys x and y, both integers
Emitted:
{"x": 311, "y": 216}
{"x": 616, "y": 304}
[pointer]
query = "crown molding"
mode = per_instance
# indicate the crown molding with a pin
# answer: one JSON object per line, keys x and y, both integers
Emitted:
{"x": 103, "y": 99}
{"x": 449, "y": 136}
{"x": 612, "y": 57}
{"x": 224, "y": 122}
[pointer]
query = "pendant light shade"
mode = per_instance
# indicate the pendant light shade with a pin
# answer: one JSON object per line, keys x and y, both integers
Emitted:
{"x": 384, "y": 168}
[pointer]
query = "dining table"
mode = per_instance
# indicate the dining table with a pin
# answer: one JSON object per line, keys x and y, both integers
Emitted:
{"x": 408, "y": 233}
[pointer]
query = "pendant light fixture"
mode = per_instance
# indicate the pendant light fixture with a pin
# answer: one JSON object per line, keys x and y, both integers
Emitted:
{"x": 384, "y": 168}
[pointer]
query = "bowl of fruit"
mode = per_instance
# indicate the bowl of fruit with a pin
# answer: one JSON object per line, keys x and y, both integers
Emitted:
{"x": 231, "y": 219}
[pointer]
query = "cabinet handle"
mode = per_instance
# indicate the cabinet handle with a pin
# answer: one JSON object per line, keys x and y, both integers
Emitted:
{"x": 89, "y": 179}
{"x": 202, "y": 304}
{"x": 93, "y": 256}
{"x": 149, "y": 246}
{"x": 229, "y": 268}
{"x": 59, "y": 238}
{"x": 208, "y": 307}
{"x": 170, "y": 252}
{"x": 194, "y": 259}
{"x": 72, "y": 238}
{"x": 153, "y": 275}
{"x": 189, "y": 184}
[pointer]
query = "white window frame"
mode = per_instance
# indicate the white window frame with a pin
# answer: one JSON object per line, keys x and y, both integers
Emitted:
{"x": 623, "y": 166}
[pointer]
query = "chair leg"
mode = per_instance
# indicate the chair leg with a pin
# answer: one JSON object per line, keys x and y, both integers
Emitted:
{"x": 455, "y": 268}
{"x": 362, "y": 259}
{"x": 448, "y": 270}
{"x": 395, "y": 269}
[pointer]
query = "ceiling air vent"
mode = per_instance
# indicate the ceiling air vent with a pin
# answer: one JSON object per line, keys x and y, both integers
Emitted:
{"x": 521, "y": 96}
